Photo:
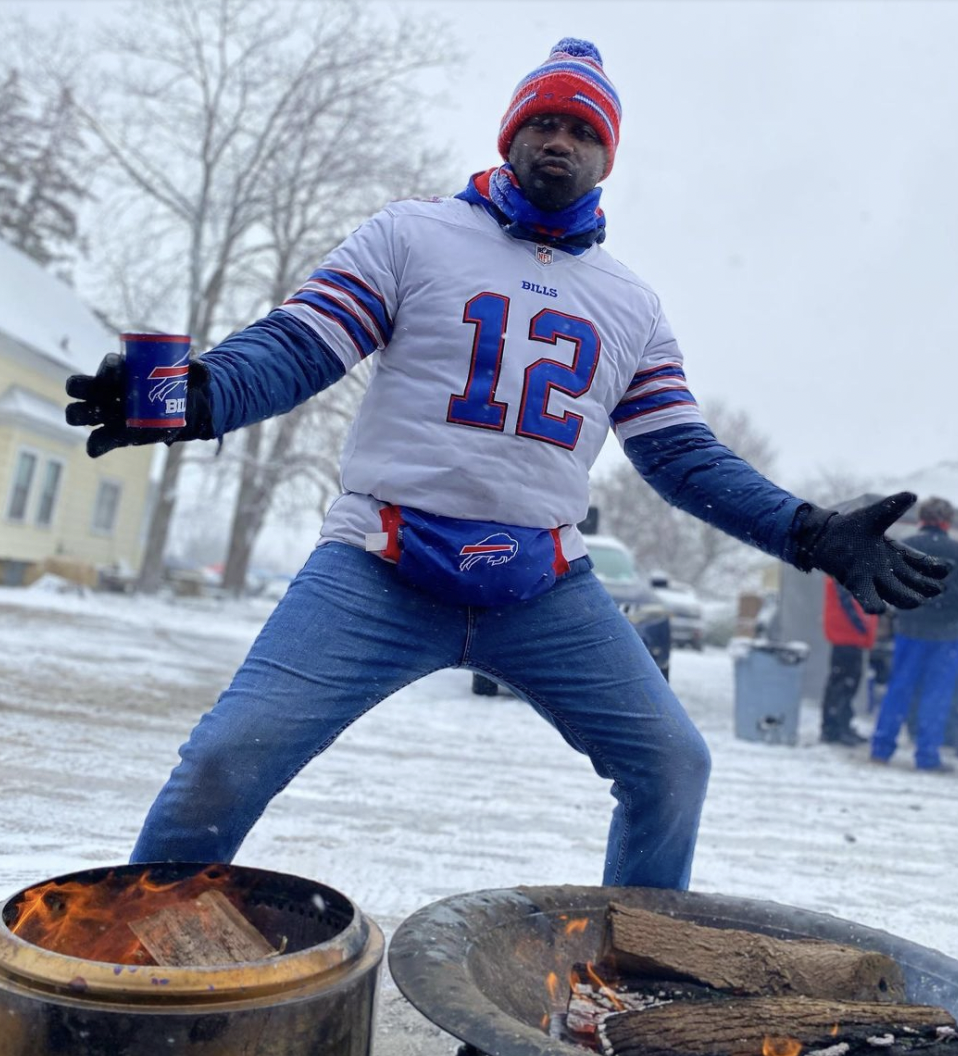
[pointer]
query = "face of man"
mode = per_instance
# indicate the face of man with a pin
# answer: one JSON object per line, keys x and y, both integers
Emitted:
{"x": 557, "y": 159}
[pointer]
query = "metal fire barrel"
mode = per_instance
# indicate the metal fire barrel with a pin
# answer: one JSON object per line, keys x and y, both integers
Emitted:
{"x": 317, "y": 997}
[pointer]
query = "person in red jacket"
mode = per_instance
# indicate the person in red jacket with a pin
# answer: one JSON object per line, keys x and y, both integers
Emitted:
{"x": 851, "y": 632}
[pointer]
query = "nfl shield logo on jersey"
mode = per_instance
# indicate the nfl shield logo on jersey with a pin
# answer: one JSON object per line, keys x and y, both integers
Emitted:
{"x": 544, "y": 254}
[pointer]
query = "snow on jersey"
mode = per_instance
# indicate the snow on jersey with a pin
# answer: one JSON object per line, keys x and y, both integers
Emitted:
{"x": 501, "y": 366}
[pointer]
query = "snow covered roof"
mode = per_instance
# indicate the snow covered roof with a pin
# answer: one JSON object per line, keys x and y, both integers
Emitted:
{"x": 43, "y": 313}
{"x": 19, "y": 406}
{"x": 940, "y": 479}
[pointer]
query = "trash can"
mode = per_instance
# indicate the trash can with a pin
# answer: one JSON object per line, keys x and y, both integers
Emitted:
{"x": 768, "y": 689}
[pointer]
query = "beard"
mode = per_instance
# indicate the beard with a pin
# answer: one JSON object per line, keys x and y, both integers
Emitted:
{"x": 551, "y": 192}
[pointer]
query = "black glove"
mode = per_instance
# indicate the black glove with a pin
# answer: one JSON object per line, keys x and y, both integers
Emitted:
{"x": 853, "y": 549}
{"x": 103, "y": 397}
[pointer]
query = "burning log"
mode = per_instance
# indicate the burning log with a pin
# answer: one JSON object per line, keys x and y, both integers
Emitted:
{"x": 745, "y": 962}
{"x": 206, "y": 931}
{"x": 756, "y": 1026}
{"x": 592, "y": 998}
{"x": 667, "y": 987}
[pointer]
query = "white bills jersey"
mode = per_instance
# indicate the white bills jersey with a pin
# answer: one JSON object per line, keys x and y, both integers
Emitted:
{"x": 501, "y": 365}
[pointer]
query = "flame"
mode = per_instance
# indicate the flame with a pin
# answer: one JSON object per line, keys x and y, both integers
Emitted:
{"x": 90, "y": 919}
{"x": 552, "y": 983}
{"x": 781, "y": 1046}
{"x": 603, "y": 987}
{"x": 834, "y": 1031}
{"x": 577, "y": 925}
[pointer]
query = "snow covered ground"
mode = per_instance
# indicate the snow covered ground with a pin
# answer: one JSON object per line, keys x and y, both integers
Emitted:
{"x": 437, "y": 792}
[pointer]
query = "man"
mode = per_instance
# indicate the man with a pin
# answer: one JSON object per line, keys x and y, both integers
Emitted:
{"x": 508, "y": 342}
{"x": 851, "y": 632}
{"x": 925, "y": 660}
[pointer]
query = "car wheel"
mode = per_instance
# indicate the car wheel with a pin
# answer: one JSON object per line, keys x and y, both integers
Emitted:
{"x": 484, "y": 687}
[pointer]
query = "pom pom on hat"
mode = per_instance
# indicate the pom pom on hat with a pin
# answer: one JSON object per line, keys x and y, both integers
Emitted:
{"x": 580, "y": 49}
{"x": 571, "y": 81}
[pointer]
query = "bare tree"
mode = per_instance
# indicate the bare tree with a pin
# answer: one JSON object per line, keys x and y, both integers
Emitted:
{"x": 287, "y": 455}
{"x": 666, "y": 538}
{"x": 238, "y": 140}
{"x": 833, "y": 486}
{"x": 42, "y": 156}
{"x": 338, "y": 177}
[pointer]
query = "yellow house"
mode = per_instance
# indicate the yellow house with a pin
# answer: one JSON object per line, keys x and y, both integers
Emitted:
{"x": 59, "y": 509}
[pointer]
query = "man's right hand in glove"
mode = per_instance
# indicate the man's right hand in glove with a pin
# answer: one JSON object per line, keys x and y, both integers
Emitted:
{"x": 102, "y": 399}
{"x": 854, "y": 550}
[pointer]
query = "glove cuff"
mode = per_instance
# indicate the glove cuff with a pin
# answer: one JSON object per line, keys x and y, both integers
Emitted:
{"x": 199, "y": 407}
{"x": 808, "y": 532}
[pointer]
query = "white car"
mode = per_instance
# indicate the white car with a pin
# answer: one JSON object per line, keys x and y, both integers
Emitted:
{"x": 685, "y": 609}
{"x": 617, "y": 571}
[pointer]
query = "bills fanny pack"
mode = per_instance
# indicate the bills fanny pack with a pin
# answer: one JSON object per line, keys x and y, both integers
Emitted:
{"x": 469, "y": 562}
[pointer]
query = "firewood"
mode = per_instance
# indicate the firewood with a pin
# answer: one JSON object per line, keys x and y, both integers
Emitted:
{"x": 591, "y": 998}
{"x": 743, "y": 1026}
{"x": 206, "y": 931}
{"x": 745, "y": 962}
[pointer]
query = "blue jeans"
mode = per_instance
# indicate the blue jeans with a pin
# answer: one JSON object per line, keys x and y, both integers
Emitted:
{"x": 928, "y": 668}
{"x": 349, "y": 633}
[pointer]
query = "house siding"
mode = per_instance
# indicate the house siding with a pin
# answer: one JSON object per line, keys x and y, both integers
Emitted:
{"x": 39, "y": 373}
{"x": 71, "y": 533}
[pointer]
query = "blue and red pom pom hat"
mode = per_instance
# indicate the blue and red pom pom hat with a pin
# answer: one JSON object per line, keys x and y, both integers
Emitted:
{"x": 570, "y": 81}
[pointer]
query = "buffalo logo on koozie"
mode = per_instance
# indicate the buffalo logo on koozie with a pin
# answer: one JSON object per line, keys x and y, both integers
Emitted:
{"x": 167, "y": 379}
{"x": 495, "y": 549}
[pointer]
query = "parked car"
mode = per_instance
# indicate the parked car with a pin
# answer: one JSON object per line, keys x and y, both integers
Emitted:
{"x": 617, "y": 571}
{"x": 629, "y": 586}
{"x": 685, "y": 610}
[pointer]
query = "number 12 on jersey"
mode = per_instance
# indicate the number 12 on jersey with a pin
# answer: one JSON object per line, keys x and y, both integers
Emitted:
{"x": 477, "y": 405}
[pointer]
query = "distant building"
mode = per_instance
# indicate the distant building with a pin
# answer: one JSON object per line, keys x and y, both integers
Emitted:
{"x": 59, "y": 509}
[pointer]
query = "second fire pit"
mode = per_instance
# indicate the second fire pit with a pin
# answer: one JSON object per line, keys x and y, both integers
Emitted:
{"x": 478, "y": 965}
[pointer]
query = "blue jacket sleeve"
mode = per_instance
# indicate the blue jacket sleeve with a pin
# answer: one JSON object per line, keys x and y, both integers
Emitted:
{"x": 690, "y": 469}
{"x": 268, "y": 368}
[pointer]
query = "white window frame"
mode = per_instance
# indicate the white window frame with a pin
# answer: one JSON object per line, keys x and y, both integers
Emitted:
{"x": 33, "y": 453}
{"x": 38, "y": 501}
{"x": 103, "y": 483}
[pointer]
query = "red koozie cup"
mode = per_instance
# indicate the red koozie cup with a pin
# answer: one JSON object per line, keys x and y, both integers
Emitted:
{"x": 157, "y": 367}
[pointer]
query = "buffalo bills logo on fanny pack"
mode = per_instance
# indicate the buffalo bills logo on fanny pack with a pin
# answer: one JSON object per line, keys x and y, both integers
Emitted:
{"x": 469, "y": 562}
{"x": 496, "y": 549}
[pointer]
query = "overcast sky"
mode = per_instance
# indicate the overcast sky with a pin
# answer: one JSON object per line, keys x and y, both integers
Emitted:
{"x": 787, "y": 182}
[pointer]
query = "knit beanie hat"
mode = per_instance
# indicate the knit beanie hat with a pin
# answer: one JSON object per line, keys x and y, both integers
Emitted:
{"x": 571, "y": 81}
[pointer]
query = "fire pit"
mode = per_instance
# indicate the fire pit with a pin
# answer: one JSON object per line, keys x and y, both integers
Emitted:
{"x": 74, "y": 980}
{"x": 478, "y": 964}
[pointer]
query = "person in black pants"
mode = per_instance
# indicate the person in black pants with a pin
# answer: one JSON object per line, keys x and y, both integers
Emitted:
{"x": 851, "y": 632}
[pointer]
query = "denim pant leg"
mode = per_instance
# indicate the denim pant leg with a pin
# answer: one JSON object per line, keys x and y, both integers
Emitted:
{"x": 906, "y": 674}
{"x": 934, "y": 706}
{"x": 346, "y": 635}
{"x": 582, "y": 666}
